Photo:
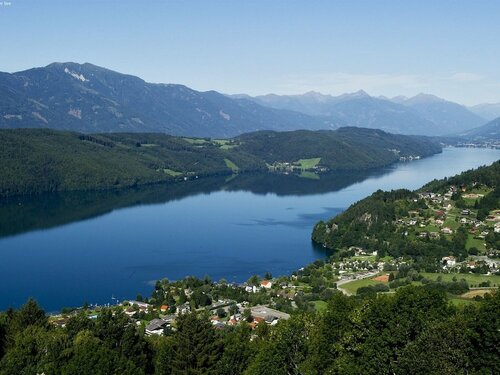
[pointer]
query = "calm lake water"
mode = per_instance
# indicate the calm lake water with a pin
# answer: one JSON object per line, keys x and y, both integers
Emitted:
{"x": 65, "y": 249}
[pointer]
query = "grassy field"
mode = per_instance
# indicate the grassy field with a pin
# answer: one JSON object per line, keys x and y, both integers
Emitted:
{"x": 451, "y": 223}
{"x": 362, "y": 258}
{"x": 477, "y": 292}
{"x": 472, "y": 279}
{"x": 320, "y": 305}
{"x": 149, "y": 145}
{"x": 309, "y": 163}
{"x": 172, "y": 172}
{"x": 461, "y": 301}
{"x": 472, "y": 242}
{"x": 231, "y": 165}
{"x": 354, "y": 285}
{"x": 429, "y": 228}
{"x": 224, "y": 144}
{"x": 196, "y": 141}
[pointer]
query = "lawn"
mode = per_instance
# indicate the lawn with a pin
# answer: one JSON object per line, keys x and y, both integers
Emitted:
{"x": 469, "y": 202}
{"x": 354, "y": 285}
{"x": 450, "y": 223}
{"x": 473, "y": 242}
{"x": 471, "y": 278}
{"x": 309, "y": 163}
{"x": 368, "y": 258}
{"x": 429, "y": 228}
{"x": 320, "y": 305}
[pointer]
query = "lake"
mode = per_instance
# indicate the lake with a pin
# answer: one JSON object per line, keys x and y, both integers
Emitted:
{"x": 65, "y": 249}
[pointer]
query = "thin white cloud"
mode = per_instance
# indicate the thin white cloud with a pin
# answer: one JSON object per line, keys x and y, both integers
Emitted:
{"x": 466, "y": 77}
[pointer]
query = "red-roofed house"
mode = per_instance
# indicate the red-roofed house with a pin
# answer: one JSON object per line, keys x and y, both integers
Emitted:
{"x": 266, "y": 284}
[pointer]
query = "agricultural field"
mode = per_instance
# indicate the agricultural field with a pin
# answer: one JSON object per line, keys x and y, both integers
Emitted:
{"x": 353, "y": 286}
{"x": 477, "y": 292}
{"x": 471, "y": 278}
{"x": 309, "y": 163}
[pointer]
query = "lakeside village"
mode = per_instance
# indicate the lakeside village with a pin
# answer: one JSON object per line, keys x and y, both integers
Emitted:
{"x": 494, "y": 144}
{"x": 353, "y": 271}
{"x": 313, "y": 165}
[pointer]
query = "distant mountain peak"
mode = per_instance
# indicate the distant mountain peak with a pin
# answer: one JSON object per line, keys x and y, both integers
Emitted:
{"x": 425, "y": 98}
{"x": 314, "y": 94}
{"x": 398, "y": 99}
{"x": 360, "y": 93}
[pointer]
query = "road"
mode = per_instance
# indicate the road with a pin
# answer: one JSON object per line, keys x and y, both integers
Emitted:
{"x": 357, "y": 277}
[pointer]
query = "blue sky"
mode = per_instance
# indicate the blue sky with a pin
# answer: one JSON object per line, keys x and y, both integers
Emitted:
{"x": 447, "y": 48}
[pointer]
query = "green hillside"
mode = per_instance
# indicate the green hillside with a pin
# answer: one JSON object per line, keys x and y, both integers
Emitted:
{"x": 42, "y": 160}
{"x": 451, "y": 217}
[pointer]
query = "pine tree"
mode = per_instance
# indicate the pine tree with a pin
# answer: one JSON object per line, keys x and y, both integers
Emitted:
{"x": 196, "y": 346}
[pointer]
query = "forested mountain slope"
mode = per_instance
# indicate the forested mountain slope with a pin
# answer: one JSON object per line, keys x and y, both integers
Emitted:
{"x": 40, "y": 160}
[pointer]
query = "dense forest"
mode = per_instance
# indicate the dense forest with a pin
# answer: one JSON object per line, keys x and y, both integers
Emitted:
{"x": 414, "y": 331}
{"x": 42, "y": 160}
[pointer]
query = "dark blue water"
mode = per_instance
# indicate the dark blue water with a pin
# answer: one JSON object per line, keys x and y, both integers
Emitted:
{"x": 70, "y": 248}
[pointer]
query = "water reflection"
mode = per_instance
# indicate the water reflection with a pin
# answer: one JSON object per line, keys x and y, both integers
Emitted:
{"x": 23, "y": 214}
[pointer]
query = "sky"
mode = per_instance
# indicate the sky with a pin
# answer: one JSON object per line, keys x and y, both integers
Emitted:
{"x": 447, "y": 48}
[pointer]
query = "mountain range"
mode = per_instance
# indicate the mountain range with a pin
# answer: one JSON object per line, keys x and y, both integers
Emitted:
{"x": 422, "y": 114}
{"x": 489, "y": 111}
{"x": 91, "y": 99}
{"x": 487, "y": 132}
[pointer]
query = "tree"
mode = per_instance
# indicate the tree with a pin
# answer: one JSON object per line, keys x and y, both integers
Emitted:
{"x": 442, "y": 348}
{"x": 233, "y": 309}
{"x": 284, "y": 351}
{"x": 485, "y": 338}
{"x": 238, "y": 351}
{"x": 163, "y": 355}
{"x": 254, "y": 280}
{"x": 196, "y": 348}
{"x": 91, "y": 357}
